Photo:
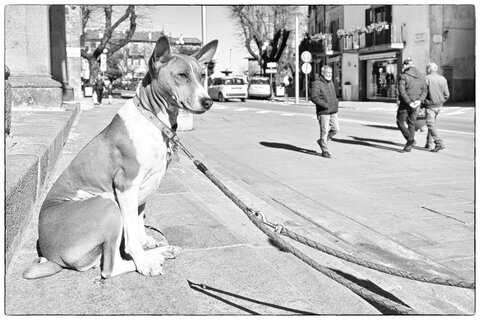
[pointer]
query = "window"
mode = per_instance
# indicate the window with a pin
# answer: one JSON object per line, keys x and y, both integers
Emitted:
{"x": 382, "y": 78}
{"x": 378, "y": 14}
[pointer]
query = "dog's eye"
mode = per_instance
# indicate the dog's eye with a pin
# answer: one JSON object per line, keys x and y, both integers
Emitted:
{"x": 183, "y": 75}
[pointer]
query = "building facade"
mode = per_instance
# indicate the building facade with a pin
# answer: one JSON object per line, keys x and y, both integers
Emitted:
{"x": 366, "y": 44}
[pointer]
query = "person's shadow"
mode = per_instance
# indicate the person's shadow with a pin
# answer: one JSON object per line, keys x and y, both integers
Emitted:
{"x": 373, "y": 143}
{"x": 289, "y": 147}
{"x": 376, "y": 143}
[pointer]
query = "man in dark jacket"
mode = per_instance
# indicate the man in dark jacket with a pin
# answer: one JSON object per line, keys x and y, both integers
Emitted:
{"x": 98, "y": 86}
{"x": 438, "y": 93}
{"x": 326, "y": 102}
{"x": 412, "y": 91}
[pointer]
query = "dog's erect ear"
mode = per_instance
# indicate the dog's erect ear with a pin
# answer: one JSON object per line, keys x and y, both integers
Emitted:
{"x": 205, "y": 54}
{"x": 162, "y": 52}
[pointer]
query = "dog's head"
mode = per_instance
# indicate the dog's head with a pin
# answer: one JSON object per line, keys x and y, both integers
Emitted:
{"x": 179, "y": 79}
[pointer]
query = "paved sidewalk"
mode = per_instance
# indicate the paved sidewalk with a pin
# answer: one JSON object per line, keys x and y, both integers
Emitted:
{"x": 241, "y": 270}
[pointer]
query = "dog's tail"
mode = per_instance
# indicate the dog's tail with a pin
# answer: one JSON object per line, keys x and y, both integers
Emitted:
{"x": 42, "y": 268}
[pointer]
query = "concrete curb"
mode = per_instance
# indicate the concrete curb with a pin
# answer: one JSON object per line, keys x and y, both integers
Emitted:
{"x": 37, "y": 140}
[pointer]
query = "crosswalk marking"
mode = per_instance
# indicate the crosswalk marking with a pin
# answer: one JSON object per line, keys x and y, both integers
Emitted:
{"x": 288, "y": 114}
{"x": 263, "y": 111}
{"x": 458, "y": 112}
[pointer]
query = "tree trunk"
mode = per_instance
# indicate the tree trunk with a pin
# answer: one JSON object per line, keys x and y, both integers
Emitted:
{"x": 94, "y": 68}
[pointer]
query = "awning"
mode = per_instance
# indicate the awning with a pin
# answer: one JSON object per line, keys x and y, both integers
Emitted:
{"x": 378, "y": 56}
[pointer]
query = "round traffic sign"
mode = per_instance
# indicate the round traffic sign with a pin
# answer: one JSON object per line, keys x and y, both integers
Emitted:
{"x": 306, "y": 68}
{"x": 306, "y": 56}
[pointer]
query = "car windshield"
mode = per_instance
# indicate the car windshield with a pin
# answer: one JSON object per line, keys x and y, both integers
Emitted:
{"x": 259, "y": 81}
{"x": 233, "y": 81}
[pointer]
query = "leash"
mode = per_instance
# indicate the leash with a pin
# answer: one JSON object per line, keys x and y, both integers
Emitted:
{"x": 259, "y": 220}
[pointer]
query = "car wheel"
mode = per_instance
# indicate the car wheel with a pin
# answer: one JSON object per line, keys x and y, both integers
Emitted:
{"x": 243, "y": 99}
{"x": 220, "y": 97}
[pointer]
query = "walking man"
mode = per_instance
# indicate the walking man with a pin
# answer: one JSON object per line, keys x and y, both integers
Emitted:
{"x": 326, "y": 103}
{"x": 98, "y": 86}
{"x": 412, "y": 91}
{"x": 437, "y": 94}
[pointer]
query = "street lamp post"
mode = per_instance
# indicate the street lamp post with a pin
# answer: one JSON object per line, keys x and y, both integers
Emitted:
{"x": 297, "y": 58}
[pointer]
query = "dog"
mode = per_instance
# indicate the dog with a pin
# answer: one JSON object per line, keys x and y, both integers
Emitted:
{"x": 94, "y": 213}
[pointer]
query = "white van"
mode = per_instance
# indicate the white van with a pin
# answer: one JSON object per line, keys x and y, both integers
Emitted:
{"x": 225, "y": 88}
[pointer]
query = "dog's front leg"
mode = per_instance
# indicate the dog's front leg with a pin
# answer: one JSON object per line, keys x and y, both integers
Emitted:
{"x": 148, "y": 241}
{"x": 147, "y": 263}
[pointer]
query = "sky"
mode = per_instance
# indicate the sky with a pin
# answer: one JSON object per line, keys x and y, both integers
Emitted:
{"x": 186, "y": 20}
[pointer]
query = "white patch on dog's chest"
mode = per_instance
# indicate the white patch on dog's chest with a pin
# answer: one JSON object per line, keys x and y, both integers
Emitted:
{"x": 150, "y": 149}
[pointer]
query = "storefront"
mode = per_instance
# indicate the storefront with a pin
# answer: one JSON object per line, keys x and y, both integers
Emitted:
{"x": 379, "y": 79}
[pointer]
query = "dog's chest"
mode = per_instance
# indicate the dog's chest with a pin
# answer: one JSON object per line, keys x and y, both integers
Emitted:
{"x": 151, "y": 151}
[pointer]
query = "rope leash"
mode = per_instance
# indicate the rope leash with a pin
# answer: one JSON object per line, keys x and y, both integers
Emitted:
{"x": 370, "y": 265}
{"x": 259, "y": 220}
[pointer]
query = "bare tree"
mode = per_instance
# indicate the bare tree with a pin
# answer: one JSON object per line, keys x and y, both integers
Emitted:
{"x": 261, "y": 24}
{"x": 107, "y": 41}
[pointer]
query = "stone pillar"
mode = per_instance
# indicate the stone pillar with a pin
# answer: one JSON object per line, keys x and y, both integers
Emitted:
{"x": 58, "y": 52}
{"x": 73, "y": 31}
{"x": 27, "y": 54}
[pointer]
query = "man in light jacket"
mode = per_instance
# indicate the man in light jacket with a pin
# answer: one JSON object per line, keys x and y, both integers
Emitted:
{"x": 326, "y": 103}
{"x": 437, "y": 94}
{"x": 412, "y": 90}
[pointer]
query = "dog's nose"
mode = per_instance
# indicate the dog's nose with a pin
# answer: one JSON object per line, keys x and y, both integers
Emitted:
{"x": 206, "y": 103}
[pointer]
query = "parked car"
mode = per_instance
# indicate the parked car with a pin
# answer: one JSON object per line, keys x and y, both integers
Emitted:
{"x": 259, "y": 87}
{"x": 225, "y": 88}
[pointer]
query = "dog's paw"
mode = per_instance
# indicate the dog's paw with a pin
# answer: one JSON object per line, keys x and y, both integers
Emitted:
{"x": 170, "y": 252}
{"x": 153, "y": 264}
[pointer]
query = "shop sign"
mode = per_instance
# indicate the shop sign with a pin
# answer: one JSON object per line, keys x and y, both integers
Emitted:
{"x": 420, "y": 38}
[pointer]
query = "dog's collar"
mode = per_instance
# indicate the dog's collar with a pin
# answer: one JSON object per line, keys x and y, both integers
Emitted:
{"x": 170, "y": 133}
{"x": 172, "y": 138}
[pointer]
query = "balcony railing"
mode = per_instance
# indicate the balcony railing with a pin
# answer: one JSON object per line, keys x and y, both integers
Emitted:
{"x": 390, "y": 35}
{"x": 325, "y": 43}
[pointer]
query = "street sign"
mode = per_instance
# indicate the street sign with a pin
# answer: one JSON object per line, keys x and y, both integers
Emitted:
{"x": 306, "y": 68}
{"x": 306, "y": 56}
{"x": 271, "y": 64}
{"x": 270, "y": 70}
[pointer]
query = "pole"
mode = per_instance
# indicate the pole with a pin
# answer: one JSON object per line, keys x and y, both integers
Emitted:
{"x": 271, "y": 87}
{"x": 204, "y": 38}
{"x": 306, "y": 87}
{"x": 297, "y": 77}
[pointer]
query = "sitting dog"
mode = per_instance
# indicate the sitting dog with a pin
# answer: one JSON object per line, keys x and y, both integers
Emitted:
{"x": 94, "y": 213}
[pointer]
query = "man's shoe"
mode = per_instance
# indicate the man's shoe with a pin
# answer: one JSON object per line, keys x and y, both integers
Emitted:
{"x": 326, "y": 154}
{"x": 409, "y": 145}
{"x": 438, "y": 147}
